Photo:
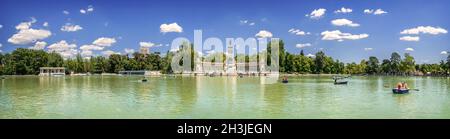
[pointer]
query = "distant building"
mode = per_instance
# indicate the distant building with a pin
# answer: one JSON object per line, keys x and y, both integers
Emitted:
{"x": 144, "y": 50}
{"x": 52, "y": 71}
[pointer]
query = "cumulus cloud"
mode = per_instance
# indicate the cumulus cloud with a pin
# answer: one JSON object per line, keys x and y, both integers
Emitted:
{"x": 344, "y": 22}
{"x": 71, "y": 28}
{"x": 23, "y": 26}
{"x": 129, "y": 51}
{"x": 251, "y": 24}
{"x": 264, "y": 34}
{"x": 317, "y": 13}
{"x": 368, "y": 49}
{"x": 40, "y": 45}
{"x": 1, "y": 26}
{"x": 45, "y": 24}
{"x": 339, "y": 36}
{"x": 425, "y": 30}
{"x": 410, "y": 38}
{"x": 27, "y": 35}
{"x": 104, "y": 41}
{"x": 310, "y": 55}
{"x": 409, "y": 49}
{"x": 65, "y": 49}
{"x": 91, "y": 47}
{"x": 375, "y": 12}
{"x": 444, "y": 53}
{"x": 379, "y": 11}
{"x": 86, "y": 53}
{"x": 343, "y": 10}
{"x": 303, "y": 45}
{"x": 173, "y": 27}
{"x": 146, "y": 44}
{"x": 298, "y": 32}
{"x": 107, "y": 53}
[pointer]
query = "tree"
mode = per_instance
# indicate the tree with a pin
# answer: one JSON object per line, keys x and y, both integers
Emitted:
{"x": 386, "y": 66}
{"x": 373, "y": 66}
{"x": 395, "y": 63}
{"x": 408, "y": 65}
{"x": 319, "y": 62}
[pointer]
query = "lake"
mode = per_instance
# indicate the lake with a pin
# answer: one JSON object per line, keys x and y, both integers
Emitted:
{"x": 221, "y": 97}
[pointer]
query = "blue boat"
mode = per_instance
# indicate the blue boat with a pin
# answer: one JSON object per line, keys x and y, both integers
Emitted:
{"x": 400, "y": 91}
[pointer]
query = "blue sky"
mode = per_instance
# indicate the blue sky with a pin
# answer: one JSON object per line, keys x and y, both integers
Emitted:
{"x": 129, "y": 22}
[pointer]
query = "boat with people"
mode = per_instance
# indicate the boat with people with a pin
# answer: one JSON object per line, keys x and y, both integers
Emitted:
{"x": 400, "y": 91}
{"x": 284, "y": 80}
{"x": 402, "y": 88}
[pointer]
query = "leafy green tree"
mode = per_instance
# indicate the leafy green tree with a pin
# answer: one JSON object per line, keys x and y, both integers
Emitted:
{"x": 373, "y": 66}
{"x": 395, "y": 63}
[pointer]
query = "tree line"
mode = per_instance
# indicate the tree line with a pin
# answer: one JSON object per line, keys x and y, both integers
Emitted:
{"x": 27, "y": 62}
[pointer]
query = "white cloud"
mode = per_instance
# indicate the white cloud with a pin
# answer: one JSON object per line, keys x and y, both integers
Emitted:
{"x": 344, "y": 22}
{"x": 65, "y": 49}
{"x": 23, "y": 26}
{"x": 379, "y": 12}
{"x": 339, "y": 36}
{"x": 317, "y": 13}
{"x": 303, "y": 45}
{"x": 264, "y": 34}
{"x": 129, "y": 51}
{"x": 146, "y": 44}
{"x": 89, "y": 9}
{"x": 45, "y": 24}
{"x": 66, "y": 12}
{"x": 409, "y": 49}
{"x": 91, "y": 47}
{"x": 343, "y": 10}
{"x": 107, "y": 53}
{"x": 310, "y": 55}
{"x": 298, "y": 32}
{"x": 86, "y": 53}
{"x": 71, "y": 28}
{"x": 375, "y": 12}
{"x": 368, "y": 11}
{"x": 1, "y": 26}
{"x": 61, "y": 45}
{"x": 425, "y": 30}
{"x": 104, "y": 41}
{"x": 246, "y": 22}
{"x": 444, "y": 53}
{"x": 409, "y": 38}
{"x": 368, "y": 49}
{"x": 243, "y": 22}
{"x": 173, "y": 27}
{"x": 40, "y": 45}
{"x": 251, "y": 24}
{"x": 28, "y": 35}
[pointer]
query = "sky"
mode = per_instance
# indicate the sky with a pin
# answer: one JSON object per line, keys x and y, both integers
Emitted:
{"x": 348, "y": 30}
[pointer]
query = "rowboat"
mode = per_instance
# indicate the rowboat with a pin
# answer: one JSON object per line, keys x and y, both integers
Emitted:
{"x": 340, "y": 82}
{"x": 400, "y": 91}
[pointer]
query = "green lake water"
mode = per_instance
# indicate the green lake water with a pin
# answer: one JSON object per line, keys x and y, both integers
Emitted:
{"x": 221, "y": 97}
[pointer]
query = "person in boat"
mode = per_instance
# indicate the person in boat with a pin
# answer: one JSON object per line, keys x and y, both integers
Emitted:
{"x": 285, "y": 79}
{"x": 405, "y": 86}
{"x": 399, "y": 86}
